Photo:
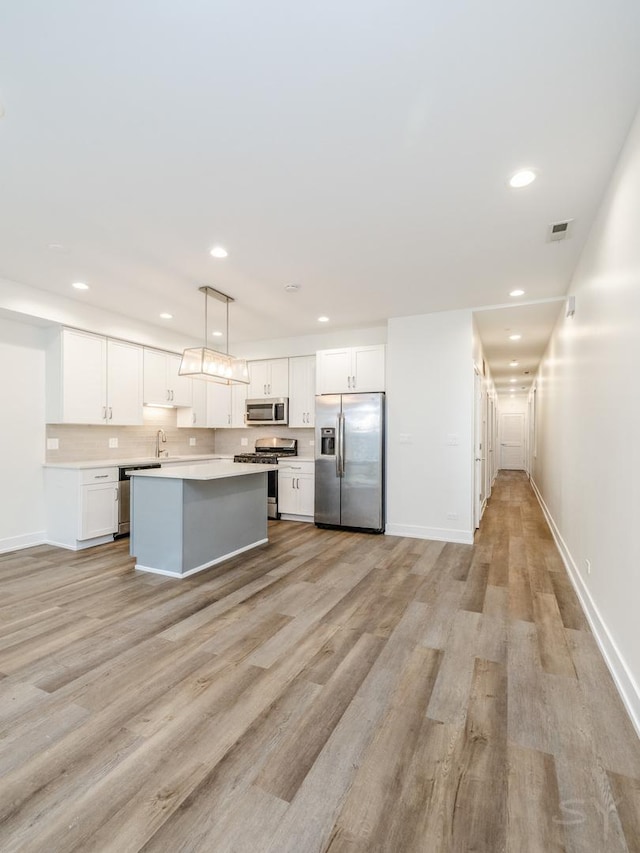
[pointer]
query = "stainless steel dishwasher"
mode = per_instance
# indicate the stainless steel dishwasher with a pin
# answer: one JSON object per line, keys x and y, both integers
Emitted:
{"x": 124, "y": 495}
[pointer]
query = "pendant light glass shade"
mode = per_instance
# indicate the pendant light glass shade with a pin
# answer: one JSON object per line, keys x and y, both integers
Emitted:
{"x": 206, "y": 363}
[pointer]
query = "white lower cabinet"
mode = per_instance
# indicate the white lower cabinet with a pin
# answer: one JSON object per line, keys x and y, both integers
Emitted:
{"x": 82, "y": 506}
{"x": 296, "y": 481}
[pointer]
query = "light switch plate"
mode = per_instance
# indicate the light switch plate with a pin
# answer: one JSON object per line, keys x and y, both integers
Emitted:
{"x": 52, "y": 444}
{"x": 192, "y": 442}
{"x": 405, "y": 438}
{"x": 311, "y": 442}
{"x": 113, "y": 442}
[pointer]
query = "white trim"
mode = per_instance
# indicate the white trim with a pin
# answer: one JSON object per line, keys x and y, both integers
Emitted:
{"x": 17, "y": 543}
{"x": 441, "y": 534}
{"x": 81, "y": 544}
{"x": 201, "y": 568}
{"x": 288, "y": 517}
{"x": 620, "y": 672}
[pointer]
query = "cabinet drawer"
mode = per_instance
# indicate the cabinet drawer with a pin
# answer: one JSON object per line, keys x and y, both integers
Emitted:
{"x": 98, "y": 475}
{"x": 306, "y": 466}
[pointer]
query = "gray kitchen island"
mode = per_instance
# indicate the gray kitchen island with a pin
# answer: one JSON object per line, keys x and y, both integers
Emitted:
{"x": 186, "y": 519}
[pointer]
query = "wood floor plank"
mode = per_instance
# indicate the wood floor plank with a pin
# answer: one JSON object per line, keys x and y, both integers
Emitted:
{"x": 533, "y": 803}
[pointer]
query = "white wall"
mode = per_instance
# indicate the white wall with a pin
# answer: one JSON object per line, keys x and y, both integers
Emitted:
{"x": 22, "y": 430}
{"x": 429, "y": 405}
{"x": 587, "y": 468}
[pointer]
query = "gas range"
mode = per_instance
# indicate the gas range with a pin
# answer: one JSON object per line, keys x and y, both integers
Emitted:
{"x": 267, "y": 452}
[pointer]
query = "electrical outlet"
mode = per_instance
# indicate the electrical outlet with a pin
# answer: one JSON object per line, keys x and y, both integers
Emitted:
{"x": 588, "y": 566}
{"x": 405, "y": 438}
{"x": 192, "y": 442}
{"x": 312, "y": 441}
{"x": 53, "y": 444}
{"x": 452, "y": 516}
{"x": 113, "y": 442}
{"x": 453, "y": 440}
{"x": 244, "y": 442}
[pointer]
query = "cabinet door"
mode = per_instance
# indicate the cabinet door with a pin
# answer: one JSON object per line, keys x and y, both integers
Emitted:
{"x": 278, "y": 385}
{"x": 302, "y": 386}
{"x": 155, "y": 387}
{"x": 84, "y": 378}
{"x": 367, "y": 368}
{"x": 196, "y": 415}
{"x": 305, "y": 494}
{"x": 287, "y": 495}
{"x": 98, "y": 510}
{"x": 259, "y": 380}
{"x": 180, "y": 387}
{"x": 238, "y": 405}
{"x": 218, "y": 405}
{"x": 333, "y": 369}
{"x": 124, "y": 383}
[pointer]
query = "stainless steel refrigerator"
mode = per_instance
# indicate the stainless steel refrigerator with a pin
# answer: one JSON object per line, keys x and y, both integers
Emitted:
{"x": 350, "y": 461}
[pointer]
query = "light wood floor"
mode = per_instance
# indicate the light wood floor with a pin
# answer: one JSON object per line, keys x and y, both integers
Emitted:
{"x": 328, "y": 691}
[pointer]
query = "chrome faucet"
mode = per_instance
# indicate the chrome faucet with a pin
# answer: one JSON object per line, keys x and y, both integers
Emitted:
{"x": 161, "y": 437}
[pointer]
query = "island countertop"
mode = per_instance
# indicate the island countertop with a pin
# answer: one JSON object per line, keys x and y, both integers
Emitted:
{"x": 218, "y": 470}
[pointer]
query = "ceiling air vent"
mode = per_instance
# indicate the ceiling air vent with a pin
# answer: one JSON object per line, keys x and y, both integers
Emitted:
{"x": 559, "y": 230}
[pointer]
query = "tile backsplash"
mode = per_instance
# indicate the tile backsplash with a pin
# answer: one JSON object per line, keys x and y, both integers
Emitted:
{"x": 79, "y": 443}
{"x": 84, "y": 443}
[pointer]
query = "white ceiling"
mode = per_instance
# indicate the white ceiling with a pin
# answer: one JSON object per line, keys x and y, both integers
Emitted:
{"x": 358, "y": 149}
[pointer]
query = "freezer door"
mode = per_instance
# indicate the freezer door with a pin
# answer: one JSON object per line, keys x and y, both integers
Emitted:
{"x": 363, "y": 465}
{"x": 327, "y": 481}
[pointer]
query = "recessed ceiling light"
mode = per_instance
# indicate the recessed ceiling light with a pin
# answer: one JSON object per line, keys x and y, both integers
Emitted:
{"x": 514, "y": 363}
{"x": 522, "y": 179}
{"x": 517, "y": 293}
{"x": 291, "y": 288}
{"x": 323, "y": 319}
{"x": 166, "y": 316}
{"x": 513, "y": 380}
{"x": 217, "y": 334}
{"x": 219, "y": 252}
{"x": 514, "y": 337}
{"x": 80, "y": 285}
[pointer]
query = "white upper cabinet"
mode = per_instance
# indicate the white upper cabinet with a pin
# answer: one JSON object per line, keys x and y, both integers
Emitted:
{"x": 196, "y": 414}
{"x": 218, "y": 405}
{"x": 348, "y": 369}
{"x": 238, "y": 405}
{"x": 268, "y": 378}
{"x": 93, "y": 380}
{"x": 124, "y": 383}
{"x": 302, "y": 391}
{"x": 163, "y": 386}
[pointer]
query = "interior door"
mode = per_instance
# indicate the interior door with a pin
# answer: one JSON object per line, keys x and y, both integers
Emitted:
{"x": 480, "y": 442}
{"x": 512, "y": 441}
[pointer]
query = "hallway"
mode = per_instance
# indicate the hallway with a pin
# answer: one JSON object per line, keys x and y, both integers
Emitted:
{"x": 328, "y": 691}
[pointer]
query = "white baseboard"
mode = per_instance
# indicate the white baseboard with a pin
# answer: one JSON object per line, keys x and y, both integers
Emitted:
{"x": 80, "y": 544}
{"x": 441, "y": 534}
{"x": 620, "y": 672}
{"x": 285, "y": 516}
{"x": 17, "y": 543}
{"x": 201, "y": 568}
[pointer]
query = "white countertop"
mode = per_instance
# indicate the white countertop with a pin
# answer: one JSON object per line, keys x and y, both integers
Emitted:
{"x": 217, "y": 470}
{"x": 143, "y": 460}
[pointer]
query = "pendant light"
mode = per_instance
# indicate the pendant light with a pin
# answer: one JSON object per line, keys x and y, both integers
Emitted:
{"x": 206, "y": 363}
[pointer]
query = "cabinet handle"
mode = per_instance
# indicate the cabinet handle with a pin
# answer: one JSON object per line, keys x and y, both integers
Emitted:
{"x": 104, "y": 413}
{"x": 353, "y": 382}
{"x": 172, "y": 396}
{"x": 100, "y": 476}
{"x": 110, "y": 413}
{"x": 193, "y": 418}
{"x": 229, "y": 419}
{"x": 348, "y": 382}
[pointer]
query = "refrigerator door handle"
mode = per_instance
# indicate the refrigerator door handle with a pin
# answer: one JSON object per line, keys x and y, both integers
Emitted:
{"x": 341, "y": 445}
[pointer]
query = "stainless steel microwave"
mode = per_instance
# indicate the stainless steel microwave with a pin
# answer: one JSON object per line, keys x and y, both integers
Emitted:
{"x": 272, "y": 410}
